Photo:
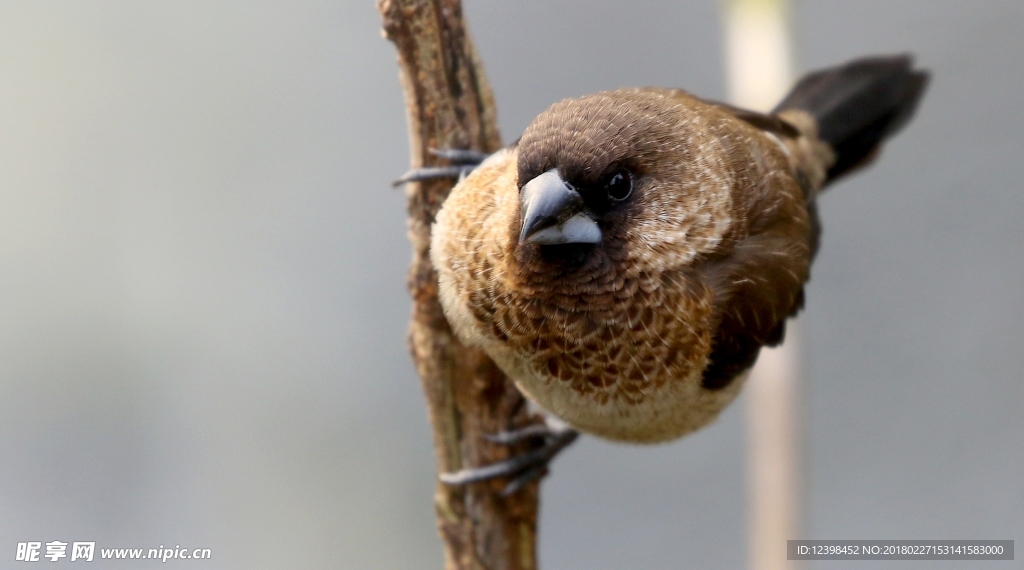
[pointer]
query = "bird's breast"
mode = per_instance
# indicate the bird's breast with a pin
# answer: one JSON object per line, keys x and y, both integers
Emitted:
{"x": 628, "y": 371}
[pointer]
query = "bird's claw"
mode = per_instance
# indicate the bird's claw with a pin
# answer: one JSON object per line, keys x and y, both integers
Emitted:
{"x": 463, "y": 156}
{"x": 522, "y": 469}
{"x": 463, "y": 161}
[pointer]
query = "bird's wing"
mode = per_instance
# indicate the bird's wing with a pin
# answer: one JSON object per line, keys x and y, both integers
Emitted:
{"x": 758, "y": 283}
{"x": 755, "y": 289}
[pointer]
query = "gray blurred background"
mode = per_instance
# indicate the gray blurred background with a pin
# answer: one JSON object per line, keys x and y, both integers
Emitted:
{"x": 203, "y": 306}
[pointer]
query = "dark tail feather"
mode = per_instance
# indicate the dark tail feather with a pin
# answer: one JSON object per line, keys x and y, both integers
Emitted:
{"x": 858, "y": 105}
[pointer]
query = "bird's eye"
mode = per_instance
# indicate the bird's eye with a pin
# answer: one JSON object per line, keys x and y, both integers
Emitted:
{"x": 619, "y": 186}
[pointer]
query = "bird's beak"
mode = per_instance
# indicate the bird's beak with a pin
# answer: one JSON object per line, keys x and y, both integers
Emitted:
{"x": 553, "y": 213}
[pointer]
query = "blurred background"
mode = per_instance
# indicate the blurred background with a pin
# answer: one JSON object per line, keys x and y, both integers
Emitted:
{"x": 203, "y": 306}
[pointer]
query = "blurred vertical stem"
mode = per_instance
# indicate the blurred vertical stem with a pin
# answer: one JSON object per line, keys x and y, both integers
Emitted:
{"x": 758, "y": 69}
{"x": 450, "y": 105}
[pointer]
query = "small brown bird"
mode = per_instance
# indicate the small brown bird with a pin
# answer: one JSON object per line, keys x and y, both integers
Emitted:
{"x": 626, "y": 259}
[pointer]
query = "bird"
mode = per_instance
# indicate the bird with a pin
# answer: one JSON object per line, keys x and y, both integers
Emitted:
{"x": 626, "y": 259}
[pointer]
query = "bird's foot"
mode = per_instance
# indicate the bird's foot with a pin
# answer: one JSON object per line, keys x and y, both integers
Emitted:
{"x": 521, "y": 469}
{"x": 463, "y": 161}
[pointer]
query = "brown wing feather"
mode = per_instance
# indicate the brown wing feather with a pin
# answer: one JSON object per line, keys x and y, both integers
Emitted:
{"x": 755, "y": 294}
{"x": 758, "y": 282}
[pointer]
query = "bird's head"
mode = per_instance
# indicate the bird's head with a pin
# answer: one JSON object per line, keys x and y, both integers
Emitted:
{"x": 618, "y": 182}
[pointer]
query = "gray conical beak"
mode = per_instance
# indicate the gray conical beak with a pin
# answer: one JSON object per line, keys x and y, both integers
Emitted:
{"x": 553, "y": 213}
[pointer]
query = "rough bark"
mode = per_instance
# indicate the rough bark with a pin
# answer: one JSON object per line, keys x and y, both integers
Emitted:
{"x": 450, "y": 105}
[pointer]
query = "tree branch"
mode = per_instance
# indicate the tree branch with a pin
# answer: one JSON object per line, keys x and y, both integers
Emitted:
{"x": 450, "y": 105}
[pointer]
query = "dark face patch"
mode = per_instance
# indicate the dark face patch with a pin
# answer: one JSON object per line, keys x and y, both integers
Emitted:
{"x": 570, "y": 255}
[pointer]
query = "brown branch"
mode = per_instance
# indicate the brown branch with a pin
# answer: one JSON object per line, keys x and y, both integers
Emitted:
{"x": 450, "y": 105}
